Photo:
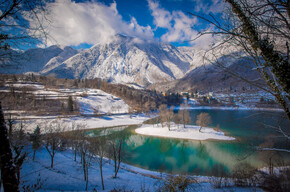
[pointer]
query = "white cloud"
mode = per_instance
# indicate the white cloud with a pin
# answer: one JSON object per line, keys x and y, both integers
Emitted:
{"x": 71, "y": 23}
{"x": 162, "y": 18}
{"x": 178, "y": 25}
{"x": 213, "y": 6}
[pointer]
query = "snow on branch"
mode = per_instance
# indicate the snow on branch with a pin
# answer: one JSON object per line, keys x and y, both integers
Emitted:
{"x": 272, "y": 149}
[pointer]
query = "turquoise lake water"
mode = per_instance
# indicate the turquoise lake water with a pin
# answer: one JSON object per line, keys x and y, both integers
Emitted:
{"x": 250, "y": 128}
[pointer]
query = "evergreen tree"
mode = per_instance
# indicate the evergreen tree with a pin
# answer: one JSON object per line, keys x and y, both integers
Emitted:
{"x": 36, "y": 140}
{"x": 8, "y": 170}
{"x": 70, "y": 106}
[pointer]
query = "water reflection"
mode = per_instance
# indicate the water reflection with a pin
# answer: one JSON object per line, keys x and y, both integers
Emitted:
{"x": 203, "y": 157}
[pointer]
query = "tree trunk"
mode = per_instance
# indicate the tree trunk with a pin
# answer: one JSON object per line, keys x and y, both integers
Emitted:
{"x": 51, "y": 155}
{"x": 87, "y": 177}
{"x": 114, "y": 158}
{"x": 84, "y": 166}
{"x": 101, "y": 169}
{"x": 34, "y": 151}
{"x": 75, "y": 154}
{"x": 273, "y": 59}
{"x": 119, "y": 158}
{"x": 52, "y": 158}
{"x": 183, "y": 118}
{"x": 200, "y": 128}
{"x": 117, "y": 170}
{"x": 8, "y": 172}
{"x": 18, "y": 175}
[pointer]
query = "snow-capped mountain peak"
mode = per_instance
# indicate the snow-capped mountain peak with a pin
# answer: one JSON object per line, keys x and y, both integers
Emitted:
{"x": 125, "y": 60}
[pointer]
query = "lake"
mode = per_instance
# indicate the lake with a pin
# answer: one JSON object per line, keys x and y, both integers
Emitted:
{"x": 250, "y": 128}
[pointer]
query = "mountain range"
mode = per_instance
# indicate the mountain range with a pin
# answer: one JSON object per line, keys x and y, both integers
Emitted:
{"x": 122, "y": 59}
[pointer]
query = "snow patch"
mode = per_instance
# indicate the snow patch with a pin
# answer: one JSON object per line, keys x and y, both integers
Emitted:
{"x": 99, "y": 102}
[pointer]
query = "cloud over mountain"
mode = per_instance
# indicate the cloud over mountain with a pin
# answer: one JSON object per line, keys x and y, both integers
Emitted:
{"x": 178, "y": 25}
{"x": 71, "y": 23}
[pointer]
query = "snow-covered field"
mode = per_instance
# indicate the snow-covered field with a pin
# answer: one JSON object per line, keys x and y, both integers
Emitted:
{"x": 99, "y": 102}
{"x": 67, "y": 175}
{"x": 178, "y": 131}
{"x": 90, "y": 101}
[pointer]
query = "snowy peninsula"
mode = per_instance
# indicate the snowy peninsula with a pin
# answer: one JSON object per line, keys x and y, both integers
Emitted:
{"x": 179, "y": 132}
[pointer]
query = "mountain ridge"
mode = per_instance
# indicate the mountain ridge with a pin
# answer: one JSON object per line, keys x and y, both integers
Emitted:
{"x": 126, "y": 60}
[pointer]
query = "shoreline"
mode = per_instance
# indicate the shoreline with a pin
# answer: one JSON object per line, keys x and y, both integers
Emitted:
{"x": 230, "y": 108}
{"x": 113, "y": 120}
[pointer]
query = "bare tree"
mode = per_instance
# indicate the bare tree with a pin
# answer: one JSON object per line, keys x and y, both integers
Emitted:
{"x": 258, "y": 30}
{"x": 168, "y": 116}
{"x": 18, "y": 142}
{"x": 162, "y": 110}
{"x": 270, "y": 157}
{"x": 15, "y": 16}
{"x": 15, "y": 32}
{"x": 53, "y": 138}
{"x": 184, "y": 115}
{"x": 76, "y": 137}
{"x": 86, "y": 157}
{"x": 203, "y": 119}
{"x": 116, "y": 151}
{"x": 261, "y": 30}
{"x": 98, "y": 150}
{"x": 177, "y": 119}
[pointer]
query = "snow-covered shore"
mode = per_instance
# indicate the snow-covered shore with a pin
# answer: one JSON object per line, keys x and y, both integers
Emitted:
{"x": 67, "y": 175}
{"x": 177, "y": 131}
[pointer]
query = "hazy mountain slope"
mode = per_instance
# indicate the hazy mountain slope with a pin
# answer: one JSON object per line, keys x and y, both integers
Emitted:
{"x": 210, "y": 77}
{"x": 34, "y": 60}
{"x": 213, "y": 78}
{"x": 66, "y": 53}
{"x": 126, "y": 60}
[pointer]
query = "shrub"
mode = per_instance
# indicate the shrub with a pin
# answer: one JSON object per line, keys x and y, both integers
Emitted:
{"x": 180, "y": 183}
{"x": 276, "y": 182}
{"x": 244, "y": 175}
{"x": 84, "y": 94}
{"x": 121, "y": 190}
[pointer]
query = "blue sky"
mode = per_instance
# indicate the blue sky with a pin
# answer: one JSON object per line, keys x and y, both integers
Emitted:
{"x": 82, "y": 23}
